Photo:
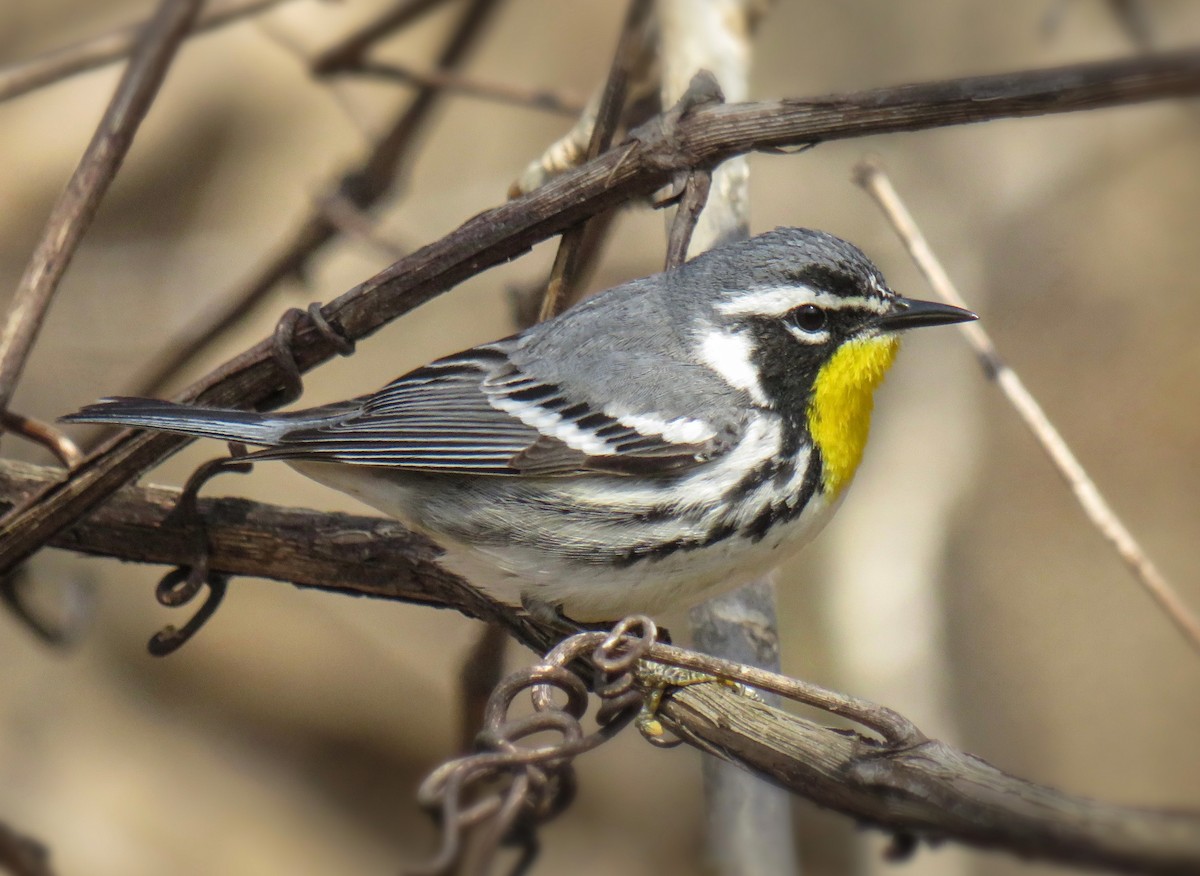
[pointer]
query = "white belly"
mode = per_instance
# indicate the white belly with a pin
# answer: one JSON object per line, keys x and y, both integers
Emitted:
{"x": 653, "y": 586}
{"x": 587, "y": 591}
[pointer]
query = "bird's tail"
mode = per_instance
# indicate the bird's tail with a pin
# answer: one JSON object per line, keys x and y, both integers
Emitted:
{"x": 163, "y": 416}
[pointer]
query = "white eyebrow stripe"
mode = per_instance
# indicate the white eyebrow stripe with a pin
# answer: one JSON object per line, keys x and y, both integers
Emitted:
{"x": 778, "y": 300}
{"x": 730, "y": 354}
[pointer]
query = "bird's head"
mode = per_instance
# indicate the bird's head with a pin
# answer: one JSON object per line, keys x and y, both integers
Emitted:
{"x": 805, "y": 323}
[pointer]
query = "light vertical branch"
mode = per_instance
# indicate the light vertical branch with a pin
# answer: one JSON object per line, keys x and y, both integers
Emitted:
{"x": 749, "y": 821}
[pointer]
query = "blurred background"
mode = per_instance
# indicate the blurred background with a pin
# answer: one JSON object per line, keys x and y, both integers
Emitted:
{"x": 291, "y": 734}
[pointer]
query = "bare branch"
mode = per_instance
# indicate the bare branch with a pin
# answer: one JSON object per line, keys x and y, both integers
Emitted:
{"x": 358, "y": 225}
{"x": 565, "y": 272}
{"x": 930, "y": 790}
{"x": 687, "y": 214}
{"x": 362, "y": 556}
{"x": 534, "y": 98}
{"x": 350, "y": 50}
{"x": 63, "y": 448}
{"x": 362, "y": 186}
{"x": 480, "y": 672}
{"x": 706, "y": 53}
{"x": 702, "y": 139}
{"x": 101, "y": 160}
{"x": 26, "y": 76}
{"x": 1102, "y": 516}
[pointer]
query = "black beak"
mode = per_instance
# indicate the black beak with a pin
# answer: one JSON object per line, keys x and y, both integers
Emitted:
{"x": 908, "y": 313}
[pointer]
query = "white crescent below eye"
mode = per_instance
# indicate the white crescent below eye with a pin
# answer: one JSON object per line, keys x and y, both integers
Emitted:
{"x": 808, "y": 337}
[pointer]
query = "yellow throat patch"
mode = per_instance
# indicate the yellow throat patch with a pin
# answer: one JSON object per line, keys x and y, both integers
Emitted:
{"x": 839, "y": 414}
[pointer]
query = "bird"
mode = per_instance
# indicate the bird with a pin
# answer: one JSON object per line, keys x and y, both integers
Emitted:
{"x": 658, "y": 443}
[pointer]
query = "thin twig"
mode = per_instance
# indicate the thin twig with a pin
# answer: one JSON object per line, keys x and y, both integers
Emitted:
{"x": 355, "y": 224}
{"x": 895, "y": 729}
{"x": 704, "y": 138}
{"x": 687, "y": 214}
{"x": 63, "y": 448}
{"x": 535, "y": 98}
{"x": 641, "y": 103}
{"x": 76, "y": 207}
{"x": 870, "y": 176}
{"x": 478, "y": 676}
{"x": 99, "y": 51}
{"x": 565, "y": 272}
{"x": 363, "y": 186}
{"x": 349, "y": 51}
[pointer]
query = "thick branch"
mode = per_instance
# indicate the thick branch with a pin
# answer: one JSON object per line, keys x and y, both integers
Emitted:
{"x": 702, "y": 139}
{"x": 367, "y": 556}
{"x": 343, "y": 553}
{"x": 929, "y": 789}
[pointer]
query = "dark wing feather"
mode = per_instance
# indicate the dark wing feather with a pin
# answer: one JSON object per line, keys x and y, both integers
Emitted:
{"x": 476, "y": 413}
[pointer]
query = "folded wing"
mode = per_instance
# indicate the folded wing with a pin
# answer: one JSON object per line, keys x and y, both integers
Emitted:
{"x": 478, "y": 413}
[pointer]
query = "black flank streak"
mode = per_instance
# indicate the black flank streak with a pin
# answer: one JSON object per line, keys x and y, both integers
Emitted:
{"x": 658, "y": 551}
{"x": 781, "y": 512}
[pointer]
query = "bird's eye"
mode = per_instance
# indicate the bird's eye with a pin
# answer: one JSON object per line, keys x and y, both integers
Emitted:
{"x": 808, "y": 317}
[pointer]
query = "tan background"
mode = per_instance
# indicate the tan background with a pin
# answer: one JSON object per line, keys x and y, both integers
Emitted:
{"x": 290, "y": 736}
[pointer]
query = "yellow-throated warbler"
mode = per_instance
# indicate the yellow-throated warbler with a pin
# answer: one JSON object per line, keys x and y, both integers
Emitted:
{"x": 664, "y": 439}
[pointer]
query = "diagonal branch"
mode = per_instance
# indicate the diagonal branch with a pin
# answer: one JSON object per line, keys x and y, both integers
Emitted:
{"x": 703, "y": 138}
{"x": 547, "y": 99}
{"x": 58, "y": 64}
{"x": 361, "y": 186}
{"x": 568, "y": 261}
{"x": 76, "y": 207}
{"x": 871, "y": 176}
{"x": 349, "y": 51}
{"x": 930, "y": 790}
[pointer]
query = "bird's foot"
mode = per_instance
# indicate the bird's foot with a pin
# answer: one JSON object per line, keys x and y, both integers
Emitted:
{"x": 553, "y": 616}
{"x": 656, "y": 680}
